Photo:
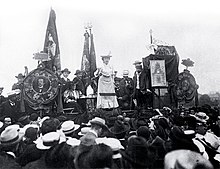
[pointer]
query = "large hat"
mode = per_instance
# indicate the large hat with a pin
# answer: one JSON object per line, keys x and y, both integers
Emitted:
{"x": 78, "y": 72}
{"x": 98, "y": 121}
{"x": 66, "y": 70}
{"x": 48, "y": 140}
{"x": 106, "y": 56}
{"x": 114, "y": 143}
{"x": 72, "y": 141}
{"x": 201, "y": 116}
{"x": 125, "y": 72}
{"x": 10, "y": 136}
{"x": 20, "y": 75}
{"x": 137, "y": 62}
{"x": 119, "y": 127}
{"x": 84, "y": 130}
{"x": 69, "y": 127}
{"x": 185, "y": 159}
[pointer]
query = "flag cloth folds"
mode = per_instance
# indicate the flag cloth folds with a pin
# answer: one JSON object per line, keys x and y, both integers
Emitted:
{"x": 51, "y": 44}
{"x": 85, "y": 65}
{"x": 92, "y": 57}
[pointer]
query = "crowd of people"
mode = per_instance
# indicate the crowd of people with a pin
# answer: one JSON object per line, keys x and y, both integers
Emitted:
{"x": 186, "y": 139}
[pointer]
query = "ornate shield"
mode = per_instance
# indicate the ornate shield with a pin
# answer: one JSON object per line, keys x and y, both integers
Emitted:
{"x": 186, "y": 86}
{"x": 40, "y": 87}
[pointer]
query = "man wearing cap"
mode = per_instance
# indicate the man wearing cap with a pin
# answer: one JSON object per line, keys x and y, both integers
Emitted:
{"x": 126, "y": 87}
{"x": 20, "y": 77}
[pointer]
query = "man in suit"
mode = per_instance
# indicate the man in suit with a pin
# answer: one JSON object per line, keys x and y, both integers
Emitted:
{"x": 126, "y": 87}
{"x": 20, "y": 79}
{"x": 98, "y": 126}
{"x": 142, "y": 93}
{"x": 64, "y": 79}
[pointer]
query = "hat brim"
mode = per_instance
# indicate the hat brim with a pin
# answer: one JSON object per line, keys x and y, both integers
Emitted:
{"x": 127, "y": 127}
{"x": 100, "y": 124}
{"x": 108, "y": 56}
{"x": 41, "y": 146}
{"x": 20, "y": 137}
{"x": 76, "y": 126}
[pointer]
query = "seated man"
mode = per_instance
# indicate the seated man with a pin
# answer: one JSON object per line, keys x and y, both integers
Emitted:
{"x": 125, "y": 91}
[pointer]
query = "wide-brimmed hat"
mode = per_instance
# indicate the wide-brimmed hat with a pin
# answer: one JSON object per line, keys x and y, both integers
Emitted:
{"x": 84, "y": 130}
{"x": 185, "y": 159}
{"x": 119, "y": 127}
{"x": 125, "y": 72}
{"x": 78, "y": 72}
{"x": 48, "y": 140}
{"x": 72, "y": 141}
{"x": 20, "y": 75}
{"x": 69, "y": 127}
{"x": 99, "y": 121}
{"x": 137, "y": 62}
{"x": 66, "y": 70}
{"x": 106, "y": 56}
{"x": 201, "y": 116}
{"x": 11, "y": 135}
{"x": 114, "y": 143}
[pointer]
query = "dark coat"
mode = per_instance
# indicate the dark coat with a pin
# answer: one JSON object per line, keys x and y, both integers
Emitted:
{"x": 7, "y": 110}
{"x": 144, "y": 80}
{"x": 79, "y": 85}
{"x": 31, "y": 153}
{"x": 2, "y": 99}
{"x": 7, "y": 161}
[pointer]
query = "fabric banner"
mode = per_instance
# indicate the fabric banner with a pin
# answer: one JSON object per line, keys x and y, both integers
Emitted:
{"x": 51, "y": 44}
{"x": 92, "y": 57}
{"x": 85, "y": 65}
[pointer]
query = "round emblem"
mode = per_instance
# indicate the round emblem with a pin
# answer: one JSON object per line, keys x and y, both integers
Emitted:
{"x": 185, "y": 86}
{"x": 40, "y": 86}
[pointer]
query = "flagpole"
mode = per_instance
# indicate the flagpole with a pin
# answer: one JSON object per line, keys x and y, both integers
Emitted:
{"x": 151, "y": 38}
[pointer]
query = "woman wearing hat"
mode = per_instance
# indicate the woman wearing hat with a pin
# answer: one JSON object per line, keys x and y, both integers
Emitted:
{"x": 106, "y": 97}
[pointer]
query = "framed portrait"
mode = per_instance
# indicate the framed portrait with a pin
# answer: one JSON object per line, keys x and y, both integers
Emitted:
{"x": 158, "y": 73}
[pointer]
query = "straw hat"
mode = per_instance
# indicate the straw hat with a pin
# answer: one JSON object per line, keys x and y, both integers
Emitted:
{"x": 48, "y": 140}
{"x": 11, "y": 136}
{"x": 114, "y": 143}
{"x": 98, "y": 121}
{"x": 69, "y": 127}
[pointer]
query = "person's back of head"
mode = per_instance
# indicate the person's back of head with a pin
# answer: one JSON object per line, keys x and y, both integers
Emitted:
{"x": 49, "y": 125}
{"x": 97, "y": 156}
{"x": 59, "y": 156}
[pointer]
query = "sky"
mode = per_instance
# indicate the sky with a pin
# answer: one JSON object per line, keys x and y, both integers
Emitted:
{"x": 119, "y": 26}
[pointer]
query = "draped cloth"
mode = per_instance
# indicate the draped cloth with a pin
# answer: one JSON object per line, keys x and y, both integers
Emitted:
{"x": 106, "y": 97}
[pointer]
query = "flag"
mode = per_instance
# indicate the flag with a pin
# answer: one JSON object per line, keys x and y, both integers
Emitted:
{"x": 92, "y": 57}
{"x": 85, "y": 65}
{"x": 51, "y": 44}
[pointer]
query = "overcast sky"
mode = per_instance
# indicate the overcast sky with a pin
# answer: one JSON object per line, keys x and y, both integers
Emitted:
{"x": 119, "y": 26}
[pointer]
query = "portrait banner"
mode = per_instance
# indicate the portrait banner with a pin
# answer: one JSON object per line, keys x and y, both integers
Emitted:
{"x": 158, "y": 73}
{"x": 40, "y": 87}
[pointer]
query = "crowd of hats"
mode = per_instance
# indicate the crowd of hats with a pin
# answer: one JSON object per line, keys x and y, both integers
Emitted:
{"x": 167, "y": 139}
